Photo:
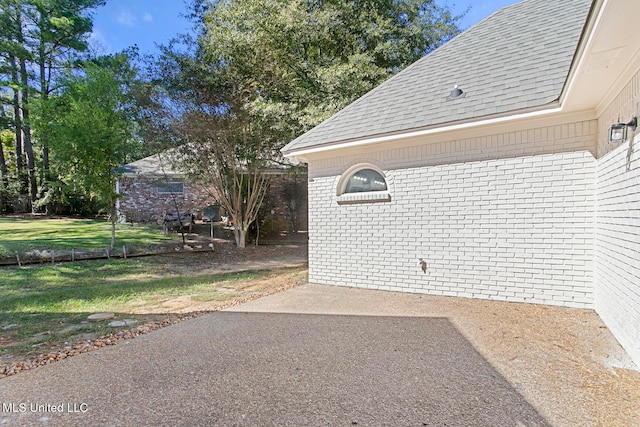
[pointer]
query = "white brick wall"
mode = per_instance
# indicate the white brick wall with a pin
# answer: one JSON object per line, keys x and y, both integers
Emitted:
{"x": 527, "y": 216}
{"x": 624, "y": 106}
{"x": 504, "y": 217}
{"x": 617, "y": 254}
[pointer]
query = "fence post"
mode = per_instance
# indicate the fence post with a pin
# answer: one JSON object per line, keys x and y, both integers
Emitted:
{"x": 18, "y": 258}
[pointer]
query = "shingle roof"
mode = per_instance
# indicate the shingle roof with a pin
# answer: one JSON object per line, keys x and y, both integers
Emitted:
{"x": 517, "y": 58}
{"x": 168, "y": 163}
{"x": 155, "y": 165}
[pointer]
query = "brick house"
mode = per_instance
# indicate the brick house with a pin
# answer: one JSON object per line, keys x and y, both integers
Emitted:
{"x": 504, "y": 165}
{"x": 152, "y": 186}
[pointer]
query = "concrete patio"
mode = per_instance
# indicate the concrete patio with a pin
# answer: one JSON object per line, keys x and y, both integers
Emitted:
{"x": 320, "y": 355}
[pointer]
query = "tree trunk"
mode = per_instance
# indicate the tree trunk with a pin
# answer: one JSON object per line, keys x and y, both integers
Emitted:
{"x": 44, "y": 95}
{"x": 26, "y": 128}
{"x": 4, "y": 190}
{"x": 17, "y": 127}
{"x": 241, "y": 237}
{"x": 26, "y": 133}
{"x": 45, "y": 177}
{"x": 113, "y": 218}
{"x": 113, "y": 231}
{"x": 239, "y": 231}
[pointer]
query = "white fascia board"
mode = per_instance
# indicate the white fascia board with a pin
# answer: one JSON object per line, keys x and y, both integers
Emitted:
{"x": 598, "y": 88}
{"x": 583, "y": 48}
{"x": 153, "y": 175}
{"x": 550, "y": 116}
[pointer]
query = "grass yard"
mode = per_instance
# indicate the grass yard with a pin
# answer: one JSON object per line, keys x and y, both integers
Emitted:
{"x": 44, "y": 308}
{"x": 19, "y": 235}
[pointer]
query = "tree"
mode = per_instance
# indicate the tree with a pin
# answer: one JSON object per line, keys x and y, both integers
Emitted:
{"x": 56, "y": 30}
{"x": 199, "y": 107}
{"x": 15, "y": 54}
{"x": 91, "y": 131}
{"x": 262, "y": 71}
{"x": 233, "y": 154}
{"x": 4, "y": 177}
{"x": 307, "y": 59}
{"x": 39, "y": 41}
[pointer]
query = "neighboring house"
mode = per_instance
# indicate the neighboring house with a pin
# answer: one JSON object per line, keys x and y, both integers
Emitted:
{"x": 484, "y": 170}
{"x": 152, "y": 186}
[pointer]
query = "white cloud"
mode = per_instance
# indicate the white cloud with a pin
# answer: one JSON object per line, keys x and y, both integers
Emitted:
{"x": 147, "y": 17}
{"x": 126, "y": 18}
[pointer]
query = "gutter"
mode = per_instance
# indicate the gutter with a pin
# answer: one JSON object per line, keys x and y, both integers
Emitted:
{"x": 549, "y": 109}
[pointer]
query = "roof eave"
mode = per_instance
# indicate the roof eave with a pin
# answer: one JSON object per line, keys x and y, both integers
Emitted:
{"x": 510, "y": 116}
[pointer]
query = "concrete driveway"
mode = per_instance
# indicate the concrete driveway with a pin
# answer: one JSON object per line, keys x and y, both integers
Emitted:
{"x": 327, "y": 356}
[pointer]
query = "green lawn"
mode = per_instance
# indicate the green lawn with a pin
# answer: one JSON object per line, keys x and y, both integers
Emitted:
{"x": 23, "y": 235}
{"x": 44, "y": 306}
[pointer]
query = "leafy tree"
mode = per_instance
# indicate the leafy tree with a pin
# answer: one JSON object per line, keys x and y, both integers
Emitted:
{"x": 10, "y": 184}
{"x": 91, "y": 131}
{"x": 200, "y": 108}
{"x": 307, "y": 59}
{"x": 56, "y": 32}
{"x": 262, "y": 71}
{"x": 14, "y": 57}
{"x": 39, "y": 40}
{"x": 233, "y": 154}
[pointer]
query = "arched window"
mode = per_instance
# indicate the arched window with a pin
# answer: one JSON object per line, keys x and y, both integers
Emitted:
{"x": 365, "y": 180}
{"x": 363, "y": 183}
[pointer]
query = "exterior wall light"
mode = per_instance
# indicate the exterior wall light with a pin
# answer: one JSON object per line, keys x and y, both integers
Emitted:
{"x": 618, "y": 131}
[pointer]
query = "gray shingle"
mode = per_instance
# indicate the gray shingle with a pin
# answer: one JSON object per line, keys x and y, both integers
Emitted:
{"x": 519, "y": 57}
{"x": 154, "y": 165}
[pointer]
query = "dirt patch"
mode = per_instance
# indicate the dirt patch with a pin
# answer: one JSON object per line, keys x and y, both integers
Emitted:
{"x": 225, "y": 256}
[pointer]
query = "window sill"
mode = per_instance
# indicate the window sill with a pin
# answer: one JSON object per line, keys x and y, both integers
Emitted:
{"x": 365, "y": 197}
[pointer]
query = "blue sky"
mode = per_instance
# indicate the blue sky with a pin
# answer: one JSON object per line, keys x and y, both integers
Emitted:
{"x": 123, "y": 23}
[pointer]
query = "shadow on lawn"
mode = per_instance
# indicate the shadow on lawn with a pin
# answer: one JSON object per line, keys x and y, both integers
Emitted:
{"x": 37, "y": 315}
{"x": 71, "y": 288}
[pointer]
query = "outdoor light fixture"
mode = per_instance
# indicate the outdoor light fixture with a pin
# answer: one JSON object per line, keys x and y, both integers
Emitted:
{"x": 618, "y": 131}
